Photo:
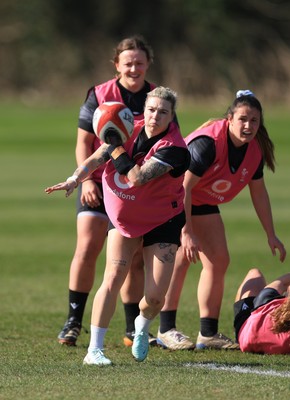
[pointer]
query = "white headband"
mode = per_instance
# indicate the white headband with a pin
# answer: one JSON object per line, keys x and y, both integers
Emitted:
{"x": 241, "y": 93}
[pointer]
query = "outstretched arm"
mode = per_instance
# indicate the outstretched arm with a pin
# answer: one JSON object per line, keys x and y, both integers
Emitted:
{"x": 99, "y": 157}
{"x": 261, "y": 202}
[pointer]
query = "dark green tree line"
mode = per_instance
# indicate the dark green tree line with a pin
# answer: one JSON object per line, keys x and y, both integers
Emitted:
{"x": 202, "y": 48}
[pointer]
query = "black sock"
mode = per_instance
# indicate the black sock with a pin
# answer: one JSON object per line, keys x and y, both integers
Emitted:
{"x": 77, "y": 303}
{"x": 167, "y": 320}
{"x": 131, "y": 313}
{"x": 208, "y": 326}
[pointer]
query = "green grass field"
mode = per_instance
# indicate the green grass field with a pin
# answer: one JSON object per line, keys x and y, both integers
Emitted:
{"x": 37, "y": 239}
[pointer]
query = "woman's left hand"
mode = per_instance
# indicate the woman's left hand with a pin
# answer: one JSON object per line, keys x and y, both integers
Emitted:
{"x": 274, "y": 244}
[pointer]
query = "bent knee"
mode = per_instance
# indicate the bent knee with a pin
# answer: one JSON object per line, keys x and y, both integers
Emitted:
{"x": 254, "y": 273}
{"x": 86, "y": 258}
{"x": 155, "y": 301}
{"x": 114, "y": 280}
{"x": 218, "y": 264}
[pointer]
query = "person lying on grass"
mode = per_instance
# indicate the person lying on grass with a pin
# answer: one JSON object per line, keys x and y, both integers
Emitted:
{"x": 262, "y": 314}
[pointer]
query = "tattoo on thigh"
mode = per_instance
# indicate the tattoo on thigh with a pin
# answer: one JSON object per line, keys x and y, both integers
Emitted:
{"x": 122, "y": 263}
{"x": 169, "y": 255}
{"x": 164, "y": 245}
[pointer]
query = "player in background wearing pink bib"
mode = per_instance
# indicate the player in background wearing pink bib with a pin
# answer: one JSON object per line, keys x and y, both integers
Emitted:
{"x": 132, "y": 58}
{"x": 262, "y": 314}
{"x": 226, "y": 156}
{"x": 143, "y": 195}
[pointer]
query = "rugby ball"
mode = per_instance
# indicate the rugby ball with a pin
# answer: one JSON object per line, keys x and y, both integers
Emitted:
{"x": 113, "y": 115}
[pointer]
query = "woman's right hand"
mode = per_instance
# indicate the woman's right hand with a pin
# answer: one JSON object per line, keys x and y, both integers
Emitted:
{"x": 68, "y": 186}
{"x": 190, "y": 246}
{"x": 91, "y": 194}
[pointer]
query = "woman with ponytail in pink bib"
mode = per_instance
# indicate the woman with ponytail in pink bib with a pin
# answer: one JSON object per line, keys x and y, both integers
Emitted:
{"x": 226, "y": 156}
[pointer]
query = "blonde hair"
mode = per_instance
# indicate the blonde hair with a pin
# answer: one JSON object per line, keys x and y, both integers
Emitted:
{"x": 281, "y": 317}
{"x": 164, "y": 93}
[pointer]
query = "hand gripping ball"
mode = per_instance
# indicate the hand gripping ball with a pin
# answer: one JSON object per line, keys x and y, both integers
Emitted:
{"x": 113, "y": 122}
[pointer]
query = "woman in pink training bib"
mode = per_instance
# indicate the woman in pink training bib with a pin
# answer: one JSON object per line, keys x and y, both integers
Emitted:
{"x": 143, "y": 195}
{"x": 262, "y": 314}
{"x": 132, "y": 59}
{"x": 226, "y": 156}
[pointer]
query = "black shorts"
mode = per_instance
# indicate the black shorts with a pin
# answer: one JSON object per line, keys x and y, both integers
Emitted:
{"x": 243, "y": 308}
{"x": 87, "y": 209}
{"x": 169, "y": 232}
{"x": 205, "y": 209}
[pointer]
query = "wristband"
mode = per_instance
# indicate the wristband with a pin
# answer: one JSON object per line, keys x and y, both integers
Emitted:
{"x": 74, "y": 179}
{"x": 84, "y": 168}
{"x": 120, "y": 159}
{"x": 115, "y": 152}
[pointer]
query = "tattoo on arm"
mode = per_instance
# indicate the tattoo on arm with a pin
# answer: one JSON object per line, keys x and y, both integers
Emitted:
{"x": 152, "y": 169}
{"x": 100, "y": 157}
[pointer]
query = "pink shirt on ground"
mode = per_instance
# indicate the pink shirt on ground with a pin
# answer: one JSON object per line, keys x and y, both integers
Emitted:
{"x": 255, "y": 335}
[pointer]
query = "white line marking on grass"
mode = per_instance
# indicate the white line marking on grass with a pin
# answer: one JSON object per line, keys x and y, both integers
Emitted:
{"x": 237, "y": 368}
